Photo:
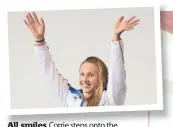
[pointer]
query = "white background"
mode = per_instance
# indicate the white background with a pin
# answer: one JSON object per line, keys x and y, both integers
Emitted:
{"x": 128, "y": 119}
{"x": 72, "y": 36}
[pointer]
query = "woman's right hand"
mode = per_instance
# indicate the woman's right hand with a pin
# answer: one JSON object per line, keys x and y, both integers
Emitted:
{"x": 36, "y": 27}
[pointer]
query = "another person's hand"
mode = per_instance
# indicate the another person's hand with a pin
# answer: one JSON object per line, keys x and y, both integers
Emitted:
{"x": 35, "y": 26}
{"x": 124, "y": 25}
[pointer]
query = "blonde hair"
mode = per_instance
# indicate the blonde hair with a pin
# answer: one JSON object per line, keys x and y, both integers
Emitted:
{"x": 102, "y": 81}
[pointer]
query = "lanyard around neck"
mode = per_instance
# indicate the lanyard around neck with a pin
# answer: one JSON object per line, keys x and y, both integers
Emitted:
{"x": 82, "y": 103}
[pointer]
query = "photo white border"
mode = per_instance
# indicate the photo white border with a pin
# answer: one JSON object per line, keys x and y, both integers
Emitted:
{"x": 158, "y": 106}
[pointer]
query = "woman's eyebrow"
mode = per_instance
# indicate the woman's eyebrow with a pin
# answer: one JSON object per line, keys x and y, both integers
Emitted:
{"x": 89, "y": 72}
{"x": 92, "y": 73}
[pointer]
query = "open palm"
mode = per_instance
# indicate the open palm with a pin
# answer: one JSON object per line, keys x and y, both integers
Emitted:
{"x": 125, "y": 25}
{"x": 36, "y": 27}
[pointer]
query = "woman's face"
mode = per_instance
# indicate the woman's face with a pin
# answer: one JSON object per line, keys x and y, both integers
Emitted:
{"x": 88, "y": 77}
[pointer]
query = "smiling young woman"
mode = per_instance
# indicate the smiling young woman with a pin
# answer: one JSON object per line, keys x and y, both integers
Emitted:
{"x": 99, "y": 87}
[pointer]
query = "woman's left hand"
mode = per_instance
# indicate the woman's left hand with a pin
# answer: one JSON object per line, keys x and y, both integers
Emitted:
{"x": 124, "y": 25}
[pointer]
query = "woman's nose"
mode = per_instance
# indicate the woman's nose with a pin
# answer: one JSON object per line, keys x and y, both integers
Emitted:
{"x": 85, "y": 78}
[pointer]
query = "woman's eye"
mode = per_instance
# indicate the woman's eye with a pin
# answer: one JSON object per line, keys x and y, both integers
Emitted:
{"x": 82, "y": 74}
{"x": 91, "y": 75}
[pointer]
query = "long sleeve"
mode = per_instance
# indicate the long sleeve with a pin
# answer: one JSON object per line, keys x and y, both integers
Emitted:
{"x": 48, "y": 68}
{"x": 116, "y": 91}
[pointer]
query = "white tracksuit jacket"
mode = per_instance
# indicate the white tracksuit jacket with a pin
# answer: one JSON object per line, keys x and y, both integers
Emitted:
{"x": 71, "y": 97}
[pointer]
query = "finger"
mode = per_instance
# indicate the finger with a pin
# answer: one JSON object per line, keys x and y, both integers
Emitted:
{"x": 26, "y": 23}
{"x": 132, "y": 25}
{"x": 42, "y": 21}
{"x": 35, "y": 17}
{"x": 129, "y": 28}
{"x": 30, "y": 17}
{"x": 134, "y": 21}
{"x": 130, "y": 19}
{"x": 120, "y": 18}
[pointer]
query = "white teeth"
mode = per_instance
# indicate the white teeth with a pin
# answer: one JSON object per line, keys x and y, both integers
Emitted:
{"x": 86, "y": 84}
